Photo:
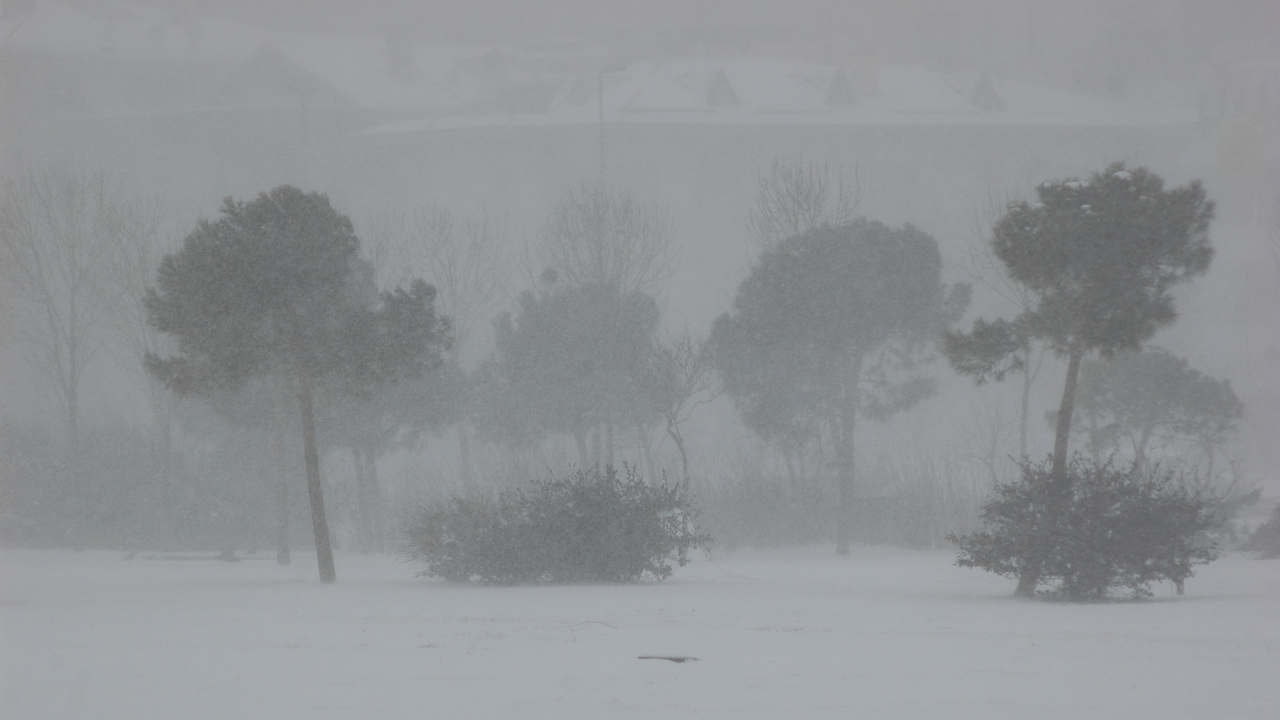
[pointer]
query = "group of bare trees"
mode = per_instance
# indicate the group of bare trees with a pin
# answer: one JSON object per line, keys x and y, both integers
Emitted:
{"x": 62, "y": 235}
{"x": 795, "y": 197}
{"x": 75, "y": 254}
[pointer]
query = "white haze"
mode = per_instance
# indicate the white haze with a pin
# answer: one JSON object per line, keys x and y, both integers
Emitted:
{"x": 1182, "y": 88}
{"x": 486, "y": 111}
{"x": 259, "y": 94}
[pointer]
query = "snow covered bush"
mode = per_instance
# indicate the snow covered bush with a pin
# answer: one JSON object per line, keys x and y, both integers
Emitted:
{"x": 1265, "y": 540}
{"x": 1104, "y": 529}
{"x": 591, "y": 527}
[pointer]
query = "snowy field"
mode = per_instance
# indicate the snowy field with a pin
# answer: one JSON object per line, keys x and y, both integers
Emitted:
{"x": 783, "y": 634}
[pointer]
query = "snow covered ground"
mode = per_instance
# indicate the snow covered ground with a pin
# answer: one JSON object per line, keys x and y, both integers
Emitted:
{"x": 782, "y": 634}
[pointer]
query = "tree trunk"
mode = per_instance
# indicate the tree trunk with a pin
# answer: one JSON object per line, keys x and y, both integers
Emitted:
{"x": 464, "y": 454}
{"x": 364, "y": 521}
{"x": 596, "y": 442}
{"x": 79, "y": 532}
{"x": 1140, "y": 450}
{"x": 377, "y": 511}
{"x": 684, "y": 458}
{"x": 580, "y": 439}
{"x": 646, "y": 451}
{"x": 842, "y": 431}
{"x": 1095, "y": 439}
{"x": 164, "y": 440}
{"x": 282, "y": 521}
{"x": 1027, "y": 583}
{"x": 844, "y": 423}
{"x": 1059, "y": 469}
{"x": 819, "y": 461}
{"x": 1027, "y": 378}
{"x": 319, "y": 524}
{"x": 608, "y": 445}
{"x": 280, "y": 460}
{"x": 1030, "y": 577}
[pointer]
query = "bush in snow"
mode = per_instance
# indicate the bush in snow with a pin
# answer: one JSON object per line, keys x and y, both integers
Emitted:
{"x": 1265, "y": 540}
{"x": 592, "y": 527}
{"x": 1104, "y": 529}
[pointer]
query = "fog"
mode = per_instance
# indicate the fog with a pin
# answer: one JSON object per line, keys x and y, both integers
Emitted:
{"x": 622, "y": 207}
{"x": 936, "y": 113}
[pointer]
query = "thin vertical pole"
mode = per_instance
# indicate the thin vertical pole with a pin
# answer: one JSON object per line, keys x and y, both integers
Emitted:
{"x": 600, "y": 99}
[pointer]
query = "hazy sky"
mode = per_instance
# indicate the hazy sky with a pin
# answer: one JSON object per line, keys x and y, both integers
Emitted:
{"x": 1227, "y": 27}
{"x": 1108, "y": 47}
{"x": 1127, "y": 49}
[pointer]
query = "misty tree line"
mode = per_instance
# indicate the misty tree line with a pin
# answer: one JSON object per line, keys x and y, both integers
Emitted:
{"x": 273, "y": 317}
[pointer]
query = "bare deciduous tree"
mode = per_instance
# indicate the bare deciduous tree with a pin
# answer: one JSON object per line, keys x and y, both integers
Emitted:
{"x": 985, "y": 268}
{"x": 57, "y": 232}
{"x": 984, "y": 437}
{"x": 598, "y": 236}
{"x": 139, "y": 244}
{"x": 797, "y": 196}
{"x": 465, "y": 259}
{"x": 688, "y": 380}
{"x": 58, "y": 228}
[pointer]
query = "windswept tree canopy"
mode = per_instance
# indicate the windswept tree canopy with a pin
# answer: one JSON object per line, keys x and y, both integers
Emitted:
{"x": 1100, "y": 255}
{"x": 834, "y": 306}
{"x": 828, "y": 328}
{"x": 276, "y": 285}
{"x": 570, "y": 359}
{"x": 1097, "y": 258}
{"x": 1153, "y": 396}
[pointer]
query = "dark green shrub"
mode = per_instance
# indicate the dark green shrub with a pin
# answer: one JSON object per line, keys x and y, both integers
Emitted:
{"x": 592, "y": 527}
{"x": 1265, "y": 540}
{"x": 1106, "y": 529}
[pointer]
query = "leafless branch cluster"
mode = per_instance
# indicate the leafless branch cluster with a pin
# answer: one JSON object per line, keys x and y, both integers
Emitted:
{"x": 466, "y": 259}
{"x": 690, "y": 381}
{"x": 983, "y": 267}
{"x": 58, "y": 230}
{"x": 796, "y": 197}
{"x": 986, "y": 436}
{"x": 141, "y": 242}
{"x": 599, "y": 236}
{"x": 691, "y": 374}
{"x": 981, "y": 263}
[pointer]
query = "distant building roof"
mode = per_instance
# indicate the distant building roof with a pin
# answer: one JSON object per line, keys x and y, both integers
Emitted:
{"x": 558, "y": 82}
{"x": 127, "y": 32}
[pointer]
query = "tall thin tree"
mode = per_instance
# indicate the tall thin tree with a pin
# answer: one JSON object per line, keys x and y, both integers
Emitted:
{"x": 58, "y": 228}
{"x": 1098, "y": 258}
{"x": 275, "y": 287}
